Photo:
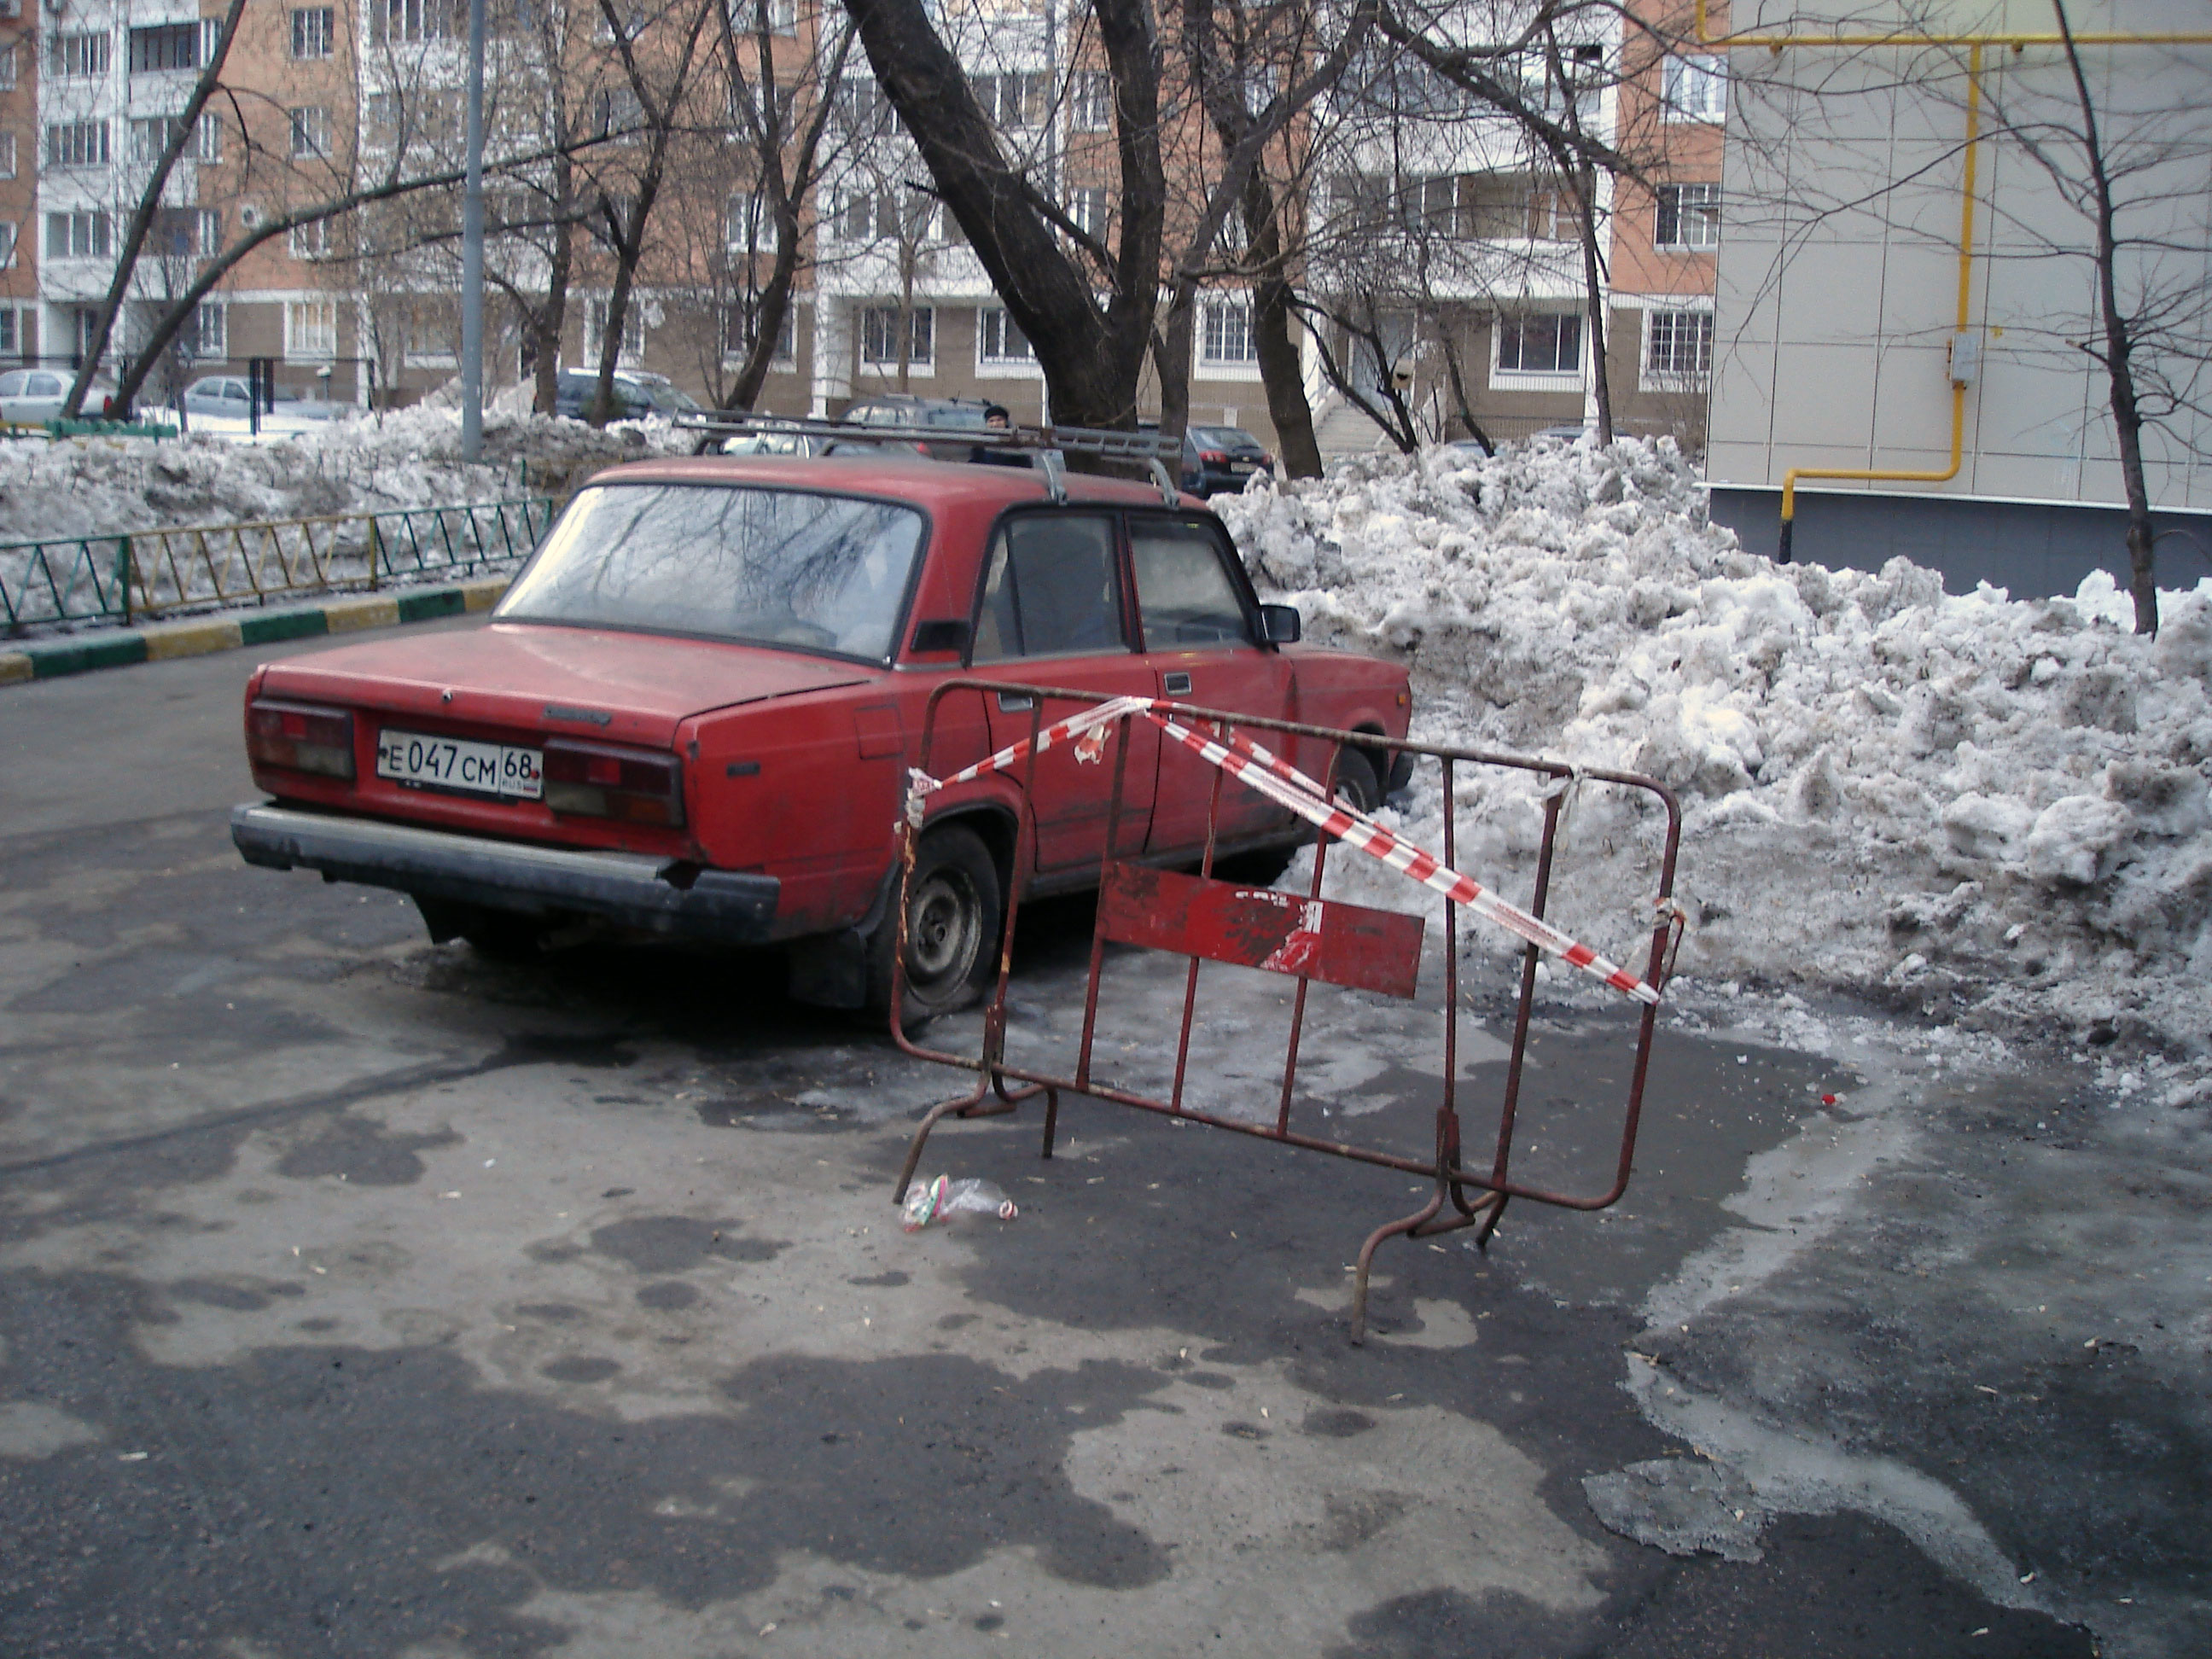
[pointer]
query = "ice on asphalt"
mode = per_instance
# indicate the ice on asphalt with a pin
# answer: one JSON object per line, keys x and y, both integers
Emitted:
{"x": 1988, "y": 810}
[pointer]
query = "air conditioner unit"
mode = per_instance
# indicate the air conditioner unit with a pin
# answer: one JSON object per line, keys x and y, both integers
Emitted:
{"x": 249, "y": 216}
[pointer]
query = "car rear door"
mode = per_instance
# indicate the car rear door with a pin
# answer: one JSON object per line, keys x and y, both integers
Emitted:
{"x": 1200, "y": 632}
{"x": 1053, "y": 614}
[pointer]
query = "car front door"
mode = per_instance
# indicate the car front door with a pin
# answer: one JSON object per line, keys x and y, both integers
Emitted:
{"x": 1053, "y": 614}
{"x": 1200, "y": 633}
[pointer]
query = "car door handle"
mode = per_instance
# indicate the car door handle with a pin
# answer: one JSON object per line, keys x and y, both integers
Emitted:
{"x": 1013, "y": 703}
{"x": 1176, "y": 685}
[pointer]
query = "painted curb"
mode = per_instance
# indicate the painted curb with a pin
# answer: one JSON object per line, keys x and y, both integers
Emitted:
{"x": 200, "y": 636}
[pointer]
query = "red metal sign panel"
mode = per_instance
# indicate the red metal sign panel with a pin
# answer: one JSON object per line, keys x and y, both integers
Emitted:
{"x": 1259, "y": 928}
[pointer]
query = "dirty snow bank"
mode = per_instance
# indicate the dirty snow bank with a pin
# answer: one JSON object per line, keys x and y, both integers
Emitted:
{"x": 94, "y": 486}
{"x": 1992, "y": 810}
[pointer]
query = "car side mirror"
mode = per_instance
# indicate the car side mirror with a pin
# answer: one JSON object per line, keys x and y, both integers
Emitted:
{"x": 1280, "y": 624}
{"x": 947, "y": 635}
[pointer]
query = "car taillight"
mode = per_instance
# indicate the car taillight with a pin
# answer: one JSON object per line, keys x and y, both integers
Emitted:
{"x": 1214, "y": 457}
{"x": 599, "y": 781}
{"x": 300, "y": 737}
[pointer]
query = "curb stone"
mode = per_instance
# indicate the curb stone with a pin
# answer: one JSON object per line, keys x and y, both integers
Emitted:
{"x": 198, "y": 636}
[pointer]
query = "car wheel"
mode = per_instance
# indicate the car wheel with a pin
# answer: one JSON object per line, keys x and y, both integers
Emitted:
{"x": 1357, "y": 785}
{"x": 953, "y": 914}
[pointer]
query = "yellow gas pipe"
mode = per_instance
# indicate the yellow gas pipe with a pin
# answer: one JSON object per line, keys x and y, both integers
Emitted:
{"x": 1974, "y": 43}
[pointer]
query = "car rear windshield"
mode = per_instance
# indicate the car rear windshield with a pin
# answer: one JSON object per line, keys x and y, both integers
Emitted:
{"x": 767, "y": 567}
{"x": 1225, "y": 437}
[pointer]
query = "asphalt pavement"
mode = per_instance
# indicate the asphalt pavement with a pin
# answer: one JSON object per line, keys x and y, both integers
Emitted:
{"x": 364, "y": 1297}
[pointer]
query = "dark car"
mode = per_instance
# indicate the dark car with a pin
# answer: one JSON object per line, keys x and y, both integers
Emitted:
{"x": 905, "y": 411}
{"x": 1219, "y": 458}
{"x": 694, "y": 713}
{"x": 637, "y": 395}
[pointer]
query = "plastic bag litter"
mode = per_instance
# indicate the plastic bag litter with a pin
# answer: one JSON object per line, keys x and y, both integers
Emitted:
{"x": 933, "y": 1200}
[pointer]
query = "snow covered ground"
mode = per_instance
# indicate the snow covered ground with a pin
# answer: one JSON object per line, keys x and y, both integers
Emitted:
{"x": 1990, "y": 811}
{"x": 98, "y": 486}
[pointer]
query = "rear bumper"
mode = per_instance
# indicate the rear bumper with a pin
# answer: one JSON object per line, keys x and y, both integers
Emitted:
{"x": 633, "y": 889}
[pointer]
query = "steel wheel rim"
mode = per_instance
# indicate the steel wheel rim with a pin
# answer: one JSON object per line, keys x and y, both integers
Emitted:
{"x": 944, "y": 925}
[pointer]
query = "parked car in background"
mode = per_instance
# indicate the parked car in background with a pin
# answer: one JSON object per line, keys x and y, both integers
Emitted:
{"x": 694, "y": 713}
{"x": 225, "y": 398}
{"x": 30, "y": 396}
{"x": 947, "y": 424}
{"x": 1219, "y": 458}
{"x": 637, "y": 393}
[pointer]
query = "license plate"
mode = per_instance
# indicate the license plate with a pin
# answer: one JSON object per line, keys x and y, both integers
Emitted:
{"x": 1242, "y": 466}
{"x": 475, "y": 769}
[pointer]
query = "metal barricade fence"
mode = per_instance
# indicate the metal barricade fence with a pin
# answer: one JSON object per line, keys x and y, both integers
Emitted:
{"x": 1306, "y": 937}
{"x": 149, "y": 573}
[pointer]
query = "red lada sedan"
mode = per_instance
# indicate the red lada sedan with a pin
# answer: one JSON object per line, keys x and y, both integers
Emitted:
{"x": 694, "y": 711}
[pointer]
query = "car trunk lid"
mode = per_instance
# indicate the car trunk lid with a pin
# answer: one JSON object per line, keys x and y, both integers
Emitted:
{"x": 519, "y": 679}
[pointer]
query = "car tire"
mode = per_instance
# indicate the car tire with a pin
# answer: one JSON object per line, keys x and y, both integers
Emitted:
{"x": 1357, "y": 785}
{"x": 954, "y": 912}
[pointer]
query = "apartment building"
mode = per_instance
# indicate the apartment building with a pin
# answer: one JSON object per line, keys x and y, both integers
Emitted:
{"x": 1908, "y": 314}
{"x": 1442, "y": 255}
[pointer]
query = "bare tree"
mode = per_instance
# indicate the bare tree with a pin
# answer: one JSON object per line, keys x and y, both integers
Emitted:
{"x": 783, "y": 111}
{"x": 180, "y": 132}
{"x": 626, "y": 210}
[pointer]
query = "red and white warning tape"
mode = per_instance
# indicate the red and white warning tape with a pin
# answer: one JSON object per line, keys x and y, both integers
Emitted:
{"x": 1260, "y": 770}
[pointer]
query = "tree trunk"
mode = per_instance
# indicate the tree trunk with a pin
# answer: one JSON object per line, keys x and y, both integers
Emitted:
{"x": 1594, "y": 303}
{"x": 553, "y": 315}
{"x": 1281, "y": 370}
{"x": 2118, "y": 355}
{"x": 1171, "y": 357}
{"x": 1092, "y": 358}
{"x": 1457, "y": 378}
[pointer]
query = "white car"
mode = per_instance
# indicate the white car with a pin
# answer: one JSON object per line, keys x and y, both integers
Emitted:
{"x": 31, "y": 396}
{"x": 221, "y": 402}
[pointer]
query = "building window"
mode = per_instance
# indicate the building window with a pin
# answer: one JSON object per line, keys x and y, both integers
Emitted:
{"x": 210, "y": 232}
{"x": 207, "y": 337}
{"x": 311, "y": 331}
{"x": 79, "y": 54}
{"x": 595, "y": 331}
{"x": 1092, "y": 102}
{"x": 11, "y": 331}
{"x": 150, "y": 134}
{"x": 412, "y": 19}
{"x": 1696, "y": 89}
{"x": 310, "y": 132}
{"x": 783, "y": 16}
{"x": 7, "y": 154}
{"x": 616, "y": 111}
{"x": 1228, "y": 334}
{"x": 78, "y": 236}
{"x": 314, "y": 29}
{"x": 999, "y": 341}
{"x": 7, "y": 244}
{"x": 1547, "y": 344}
{"x": 740, "y": 325}
{"x": 1012, "y": 101}
{"x": 311, "y": 240}
{"x": 880, "y": 336}
{"x": 1689, "y": 215}
{"x": 1088, "y": 208}
{"x": 165, "y": 47}
{"x": 7, "y": 69}
{"x": 1678, "y": 343}
{"x": 77, "y": 144}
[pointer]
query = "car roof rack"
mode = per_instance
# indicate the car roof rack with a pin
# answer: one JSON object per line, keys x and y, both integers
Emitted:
{"x": 1043, "y": 445}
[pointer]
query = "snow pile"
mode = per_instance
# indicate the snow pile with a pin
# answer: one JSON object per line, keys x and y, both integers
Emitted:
{"x": 1992, "y": 810}
{"x": 96, "y": 486}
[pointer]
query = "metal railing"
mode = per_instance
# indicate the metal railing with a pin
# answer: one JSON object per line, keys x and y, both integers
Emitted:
{"x": 149, "y": 573}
